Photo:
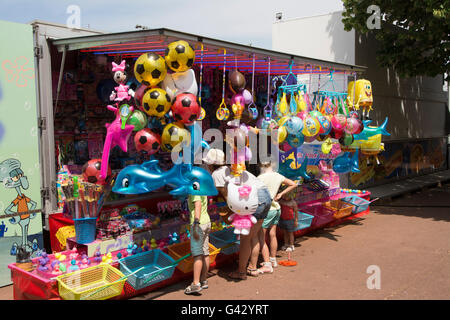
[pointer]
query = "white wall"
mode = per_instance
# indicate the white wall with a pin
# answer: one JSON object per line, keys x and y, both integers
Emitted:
{"x": 320, "y": 37}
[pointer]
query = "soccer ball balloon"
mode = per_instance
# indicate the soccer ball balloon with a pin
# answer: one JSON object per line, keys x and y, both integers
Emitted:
{"x": 156, "y": 102}
{"x": 185, "y": 108}
{"x": 147, "y": 140}
{"x": 172, "y": 135}
{"x": 91, "y": 171}
{"x": 138, "y": 119}
{"x": 150, "y": 69}
{"x": 179, "y": 56}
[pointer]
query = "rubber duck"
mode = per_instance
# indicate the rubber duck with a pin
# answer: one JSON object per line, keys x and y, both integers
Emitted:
{"x": 213, "y": 227}
{"x": 153, "y": 244}
{"x": 175, "y": 238}
{"x": 54, "y": 264}
{"x": 119, "y": 255}
{"x": 107, "y": 258}
{"x": 144, "y": 243}
{"x": 62, "y": 258}
{"x": 57, "y": 255}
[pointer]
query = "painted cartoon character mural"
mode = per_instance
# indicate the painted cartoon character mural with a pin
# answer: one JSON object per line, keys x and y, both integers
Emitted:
{"x": 12, "y": 176}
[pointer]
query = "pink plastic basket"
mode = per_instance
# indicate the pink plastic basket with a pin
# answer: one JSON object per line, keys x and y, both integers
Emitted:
{"x": 322, "y": 215}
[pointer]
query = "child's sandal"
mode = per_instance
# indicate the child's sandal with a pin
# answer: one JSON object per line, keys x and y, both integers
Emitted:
{"x": 253, "y": 272}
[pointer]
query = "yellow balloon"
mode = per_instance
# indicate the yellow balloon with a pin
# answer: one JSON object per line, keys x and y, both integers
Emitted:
{"x": 282, "y": 134}
{"x": 311, "y": 126}
{"x": 283, "y": 106}
{"x": 283, "y": 120}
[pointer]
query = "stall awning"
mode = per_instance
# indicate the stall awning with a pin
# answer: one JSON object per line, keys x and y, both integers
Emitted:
{"x": 133, "y": 43}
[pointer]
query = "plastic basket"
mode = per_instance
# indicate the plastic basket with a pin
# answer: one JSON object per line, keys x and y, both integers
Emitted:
{"x": 85, "y": 230}
{"x": 153, "y": 261}
{"x": 340, "y": 208}
{"x": 359, "y": 203}
{"x": 322, "y": 215}
{"x": 224, "y": 237}
{"x": 304, "y": 220}
{"x": 179, "y": 250}
{"x": 82, "y": 284}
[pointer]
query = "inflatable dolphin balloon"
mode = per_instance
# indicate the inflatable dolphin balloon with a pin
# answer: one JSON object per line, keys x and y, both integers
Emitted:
{"x": 184, "y": 178}
{"x": 346, "y": 163}
{"x": 371, "y": 131}
{"x": 286, "y": 170}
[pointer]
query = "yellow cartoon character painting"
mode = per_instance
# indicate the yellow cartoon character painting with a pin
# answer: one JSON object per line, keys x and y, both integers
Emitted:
{"x": 361, "y": 96}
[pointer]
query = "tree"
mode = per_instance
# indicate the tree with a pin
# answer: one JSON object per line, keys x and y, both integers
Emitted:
{"x": 414, "y": 35}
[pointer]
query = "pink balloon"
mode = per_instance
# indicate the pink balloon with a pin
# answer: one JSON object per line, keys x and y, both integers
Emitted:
{"x": 338, "y": 122}
{"x": 302, "y": 115}
{"x": 353, "y": 125}
{"x": 139, "y": 94}
{"x": 238, "y": 97}
{"x": 248, "y": 98}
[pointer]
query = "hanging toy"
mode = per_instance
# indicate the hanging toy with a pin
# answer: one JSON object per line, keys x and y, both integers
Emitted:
{"x": 122, "y": 92}
{"x": 360, "y": 96}
{"x": 301, "y": 103}
{"x": 283, "y": 106}
{"x": 222, "y": 112}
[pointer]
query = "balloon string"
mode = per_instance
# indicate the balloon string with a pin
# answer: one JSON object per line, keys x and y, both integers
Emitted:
{"x": 223, "y": 77}
{"x": 268, "y": 82}
{"x": 201, "y": 76}
{"x": 253, "y": 74}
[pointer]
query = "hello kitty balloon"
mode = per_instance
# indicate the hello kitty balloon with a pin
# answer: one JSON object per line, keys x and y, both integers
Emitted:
{"x": 243, "y": 201}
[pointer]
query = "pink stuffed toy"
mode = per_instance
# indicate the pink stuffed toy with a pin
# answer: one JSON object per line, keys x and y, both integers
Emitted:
{"x": 243, "y": 201}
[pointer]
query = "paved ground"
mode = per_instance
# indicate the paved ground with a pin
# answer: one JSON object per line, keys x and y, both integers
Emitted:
{"x": 410, "y": 245}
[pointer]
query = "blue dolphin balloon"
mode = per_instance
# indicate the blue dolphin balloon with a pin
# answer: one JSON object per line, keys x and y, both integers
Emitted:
{"x": 371, "y": 131}
{"x": 285, "y": 170}
{"x": 346, "y": 163}
{"x": 184, "y": 178}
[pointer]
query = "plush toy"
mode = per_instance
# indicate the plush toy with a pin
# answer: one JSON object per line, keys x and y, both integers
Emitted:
{"x": 122, "y": 92}
{"x": 243, "y": 201}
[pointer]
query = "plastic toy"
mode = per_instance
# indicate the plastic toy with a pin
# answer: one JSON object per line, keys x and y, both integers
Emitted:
{"x": 43, "y": 265}
{"x": 138, "y": 119}
{"x": 107, "y": 258}
{"x": 179, "y": 56}
{"x": 185, "y": 108}
{"x": 119, "y": 255}
{"x": 62, "y": 267}
{"x": 97, "y": 256}
{"x": 180, "y": 82}
{"x": 286, "y": 169}
{"x": 346, "y": 163}
{"x": 150, "y": 69}
{"x": 156, "y": 102}
{"x": 186, "y": 179}
{"x": 117, "y": 134}
{"x": 243, "y": 201}
{"x": 361, "y": 96}
{"x": 73, "y": 265}
{"x": 153, "y": 244}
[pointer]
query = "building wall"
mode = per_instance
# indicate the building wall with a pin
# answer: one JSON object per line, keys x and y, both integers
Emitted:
{"x": 320, "y": 37}
{"x": 416, "y": 107}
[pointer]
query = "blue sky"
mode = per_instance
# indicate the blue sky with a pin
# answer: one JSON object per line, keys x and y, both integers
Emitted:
{"x": 243, "y": 21}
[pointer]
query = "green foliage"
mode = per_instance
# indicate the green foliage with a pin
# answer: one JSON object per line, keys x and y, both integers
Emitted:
{"x": 414, "y": 36}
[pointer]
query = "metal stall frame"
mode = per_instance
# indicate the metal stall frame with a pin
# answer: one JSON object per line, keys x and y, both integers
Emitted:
{"x": 83, "y": 42}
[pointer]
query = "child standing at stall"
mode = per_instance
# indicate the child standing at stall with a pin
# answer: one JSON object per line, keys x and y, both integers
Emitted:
{"x": 288, "y": 218}
{"x": 273, "y": 181}
{"x": 200, "y": 229}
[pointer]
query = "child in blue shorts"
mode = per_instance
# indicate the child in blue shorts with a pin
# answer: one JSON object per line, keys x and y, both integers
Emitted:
{"x": 200, "y": 229}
